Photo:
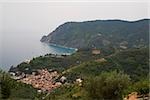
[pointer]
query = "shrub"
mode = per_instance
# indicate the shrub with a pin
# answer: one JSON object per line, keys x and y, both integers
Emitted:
{"x": 108, "y": 85}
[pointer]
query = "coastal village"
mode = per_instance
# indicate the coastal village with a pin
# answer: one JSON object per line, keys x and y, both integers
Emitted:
{"x": 43, "y": 80}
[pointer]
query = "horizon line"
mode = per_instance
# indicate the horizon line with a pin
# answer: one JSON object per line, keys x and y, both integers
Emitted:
{"x": 125, "y": 20}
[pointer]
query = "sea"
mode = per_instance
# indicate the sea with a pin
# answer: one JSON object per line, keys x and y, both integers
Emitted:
{"x": 16, "y": 48}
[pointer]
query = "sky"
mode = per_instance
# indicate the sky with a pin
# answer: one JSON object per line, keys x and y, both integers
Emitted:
{"x": 73, "y": 0}
{"x": 43, "y": 16}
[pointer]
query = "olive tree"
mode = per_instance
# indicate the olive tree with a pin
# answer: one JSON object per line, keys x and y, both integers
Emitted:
{"x": 108, "y": 85}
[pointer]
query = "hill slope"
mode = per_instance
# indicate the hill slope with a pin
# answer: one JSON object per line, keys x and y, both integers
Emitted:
{"x": 10, "y": 89}
{"x": 100, "y": 33}
{"x": 133, "y": 62}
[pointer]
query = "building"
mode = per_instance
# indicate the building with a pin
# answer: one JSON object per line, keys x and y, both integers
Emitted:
{"x": 96, "y": 51}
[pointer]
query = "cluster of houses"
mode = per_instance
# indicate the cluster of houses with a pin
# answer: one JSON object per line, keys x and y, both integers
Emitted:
{"x": 42, "y": 80}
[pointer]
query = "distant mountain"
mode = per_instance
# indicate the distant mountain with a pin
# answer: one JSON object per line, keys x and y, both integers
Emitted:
{"x": 101, "y": 33}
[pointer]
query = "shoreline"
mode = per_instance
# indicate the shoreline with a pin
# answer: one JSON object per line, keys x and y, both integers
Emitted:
{"x": 27, "y": 60}
{"x": 57, "y": 45}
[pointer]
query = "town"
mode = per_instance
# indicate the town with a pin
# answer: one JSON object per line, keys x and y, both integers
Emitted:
{"x": 43, "y": 80}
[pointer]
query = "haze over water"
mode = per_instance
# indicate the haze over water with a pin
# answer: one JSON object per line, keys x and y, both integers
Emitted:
{"x": 18, "y": 48}
{"x": 23, "y": 24}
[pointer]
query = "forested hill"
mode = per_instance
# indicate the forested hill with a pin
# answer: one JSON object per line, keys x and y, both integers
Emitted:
{"x": 101, "y": 33}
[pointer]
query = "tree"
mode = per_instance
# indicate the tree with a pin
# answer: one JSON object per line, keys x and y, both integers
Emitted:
{"x": 142, "y": 87}
{"x": 109, "y": 85}
{"x": 5, "y": 88}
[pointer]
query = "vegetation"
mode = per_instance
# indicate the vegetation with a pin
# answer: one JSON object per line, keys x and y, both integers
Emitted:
{"x": 102, "y": 79}
{"x": 68, "y": 92}
{"x": 141, "y": 87}
{"x": 102, "y": 82}
{"x": 60, "y": 63}
{"x": 108, "y": 85}
{"x": 11, "y": 89}
{"x": 111, "y": 85}
{"x": 100, "y": 34}
{"x": 133, "y": 62}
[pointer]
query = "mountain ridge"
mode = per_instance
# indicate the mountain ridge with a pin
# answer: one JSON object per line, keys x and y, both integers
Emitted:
{"x": 99, "y": 33}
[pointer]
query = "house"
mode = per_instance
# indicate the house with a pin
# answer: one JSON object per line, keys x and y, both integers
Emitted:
{"x": 132, "y": 96}
{"x": 12, "y": 73}
{"x": 136, "y": 96}
{"x": 96, "y": 51}
{"x": 123, "y": 47}
{"x": 63, "y": 79}
{"x": 101, "y": 60}
{"x": 79, "y": 81}
{"x": 27, "y": 61}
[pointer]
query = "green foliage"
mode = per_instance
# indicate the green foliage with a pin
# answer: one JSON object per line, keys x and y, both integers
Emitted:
{"x": 67, "y": 92}
{"x": 11, "y": 89}
{"x": 107, "y": 86}
{"x": 5, "y": 88}
{"x": 100, "y": 34}
{"x": 54, "y": 63}
{"x": 82, "y": 64}
{"x": 142, "y": 87}
{"x": 134, "y": 62}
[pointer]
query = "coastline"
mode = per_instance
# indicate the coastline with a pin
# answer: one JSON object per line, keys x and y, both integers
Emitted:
{"x": 27, "y": 60}
{"x": 52, "y": 44}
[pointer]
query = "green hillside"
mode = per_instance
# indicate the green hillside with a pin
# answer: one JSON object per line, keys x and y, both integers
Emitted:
{"x": 133, "y": 62}
{"x": 102, "y": 79}
{"x": 113, "y": 69}
{"x": 10, "y": 89}
{"x": 60, "y": 63}
{"x": 100, "y": 33}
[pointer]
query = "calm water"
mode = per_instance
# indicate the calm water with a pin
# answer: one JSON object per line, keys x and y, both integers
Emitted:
{"x": 16, "y": 47}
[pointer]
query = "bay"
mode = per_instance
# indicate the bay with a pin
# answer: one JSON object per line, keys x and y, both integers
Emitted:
{"x": 16, "y": 48}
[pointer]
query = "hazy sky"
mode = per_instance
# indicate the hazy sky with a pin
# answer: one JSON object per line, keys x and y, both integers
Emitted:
{"x": 44, "y": 17}
{"x": 73, "y": 0}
